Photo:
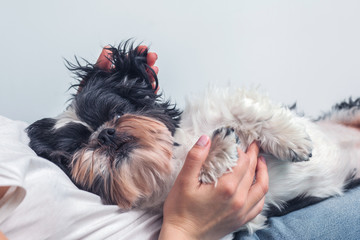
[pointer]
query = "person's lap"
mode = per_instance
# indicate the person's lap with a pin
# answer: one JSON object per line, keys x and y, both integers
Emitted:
{"x": 334, "y": 218}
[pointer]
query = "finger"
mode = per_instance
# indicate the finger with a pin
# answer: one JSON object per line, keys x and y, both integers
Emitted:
{"x": 253, "y": 150}
{"x": 260, "y": 187}
{"x": 252, "y": 153}
{"x": 152, "y": 79}
{"x": 195, "y": 159}
{"x": 157, "y": 89}
{"x": 238, "y": 172}
{"x": 156, "y": 69}
{"x": 104, "y": 61}
{"x": 153, "y": 84}
{"x": 245, "y": 167}
{"x": 256, "y": 210}
{"x": 142, "y": 48}
{"x": 247, "y": 161}
{"x": 151, "y": 58}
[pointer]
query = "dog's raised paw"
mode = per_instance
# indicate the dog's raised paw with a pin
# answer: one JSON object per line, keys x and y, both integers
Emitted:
{"x": 222, "y": 156}
{"x": 302, "y": 152}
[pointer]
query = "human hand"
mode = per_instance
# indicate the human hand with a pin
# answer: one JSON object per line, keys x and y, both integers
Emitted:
{"x": 2, "y": 236}
{"x": 202, "y": 211}
{"x": 104, "y": 61}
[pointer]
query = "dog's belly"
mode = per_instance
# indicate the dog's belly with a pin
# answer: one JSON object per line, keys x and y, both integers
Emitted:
{"x": 342, "y": 133}
{"x": 348, "y": 140}
{"x": 336, "y": 158}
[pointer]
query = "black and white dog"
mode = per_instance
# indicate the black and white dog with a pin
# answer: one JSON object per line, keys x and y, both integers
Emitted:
{"x": 122, "y": 141}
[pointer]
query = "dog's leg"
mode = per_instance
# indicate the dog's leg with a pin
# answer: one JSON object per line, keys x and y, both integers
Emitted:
{"x": 278, "y": 129}
{"x": 254, "y": 118}
{"x": 283, "y": 136}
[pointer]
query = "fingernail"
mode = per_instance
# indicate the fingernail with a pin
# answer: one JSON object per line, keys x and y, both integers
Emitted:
{"x": 156, "y": 55}
{"x": 203, "y": 141}
{"x": 262, "y": 159}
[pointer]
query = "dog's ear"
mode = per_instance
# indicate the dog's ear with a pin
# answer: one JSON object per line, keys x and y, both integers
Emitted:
{"x": 41, "y": 135}
{"x": 57, "y": 144}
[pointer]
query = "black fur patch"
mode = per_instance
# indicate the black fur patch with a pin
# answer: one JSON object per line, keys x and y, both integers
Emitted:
{"x": 126, "y": 88}
{"x": 57, "y": 145}
{"x": 102, "y": 95}
{"x": 348, "y": 104}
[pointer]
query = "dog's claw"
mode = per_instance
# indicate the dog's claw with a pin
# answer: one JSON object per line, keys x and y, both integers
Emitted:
{"x": 297, "y": 158}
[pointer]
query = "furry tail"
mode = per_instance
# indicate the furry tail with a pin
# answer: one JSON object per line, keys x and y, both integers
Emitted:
{"x": 346, "y": 113}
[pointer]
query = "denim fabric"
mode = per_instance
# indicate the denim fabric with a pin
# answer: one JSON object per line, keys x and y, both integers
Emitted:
{"x": 335, "y": 218}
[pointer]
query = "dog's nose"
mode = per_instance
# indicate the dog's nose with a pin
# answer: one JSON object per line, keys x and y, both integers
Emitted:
{"x": 107, "y": 136}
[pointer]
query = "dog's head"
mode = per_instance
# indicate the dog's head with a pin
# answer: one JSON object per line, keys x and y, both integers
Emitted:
{"x": 115, "y": 137}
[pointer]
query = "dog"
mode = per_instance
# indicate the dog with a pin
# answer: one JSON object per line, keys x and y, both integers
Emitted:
{"x": 124, "y": 142}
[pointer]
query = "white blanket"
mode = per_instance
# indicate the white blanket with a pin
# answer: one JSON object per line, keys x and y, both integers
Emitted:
{"x": 43, "y": 203}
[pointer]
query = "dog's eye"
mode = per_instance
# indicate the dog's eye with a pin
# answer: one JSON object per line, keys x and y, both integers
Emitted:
{"x": 116, "y": 115}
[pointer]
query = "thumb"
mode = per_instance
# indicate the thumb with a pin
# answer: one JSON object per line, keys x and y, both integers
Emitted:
{"x": 104, "y": 61}
{"x": 195, "y": 158}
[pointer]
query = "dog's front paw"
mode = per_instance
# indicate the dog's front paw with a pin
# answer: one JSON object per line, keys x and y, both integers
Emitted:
{"x": 302, "y": 151}
{"x": 222, "y": 156}
{"x": 288, "y": 142}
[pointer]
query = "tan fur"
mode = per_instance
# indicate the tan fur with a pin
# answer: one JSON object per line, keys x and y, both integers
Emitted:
{"x": 138, "y": 176}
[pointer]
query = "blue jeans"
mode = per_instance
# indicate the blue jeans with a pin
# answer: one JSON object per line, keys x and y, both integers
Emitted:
{"x": 334, "y": 218}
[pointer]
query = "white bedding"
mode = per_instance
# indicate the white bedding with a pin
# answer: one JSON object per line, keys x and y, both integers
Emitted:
{"x": 43, "y": 203}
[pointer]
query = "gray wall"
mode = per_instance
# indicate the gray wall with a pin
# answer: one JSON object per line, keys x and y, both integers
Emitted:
{"x": 303, "y": 51}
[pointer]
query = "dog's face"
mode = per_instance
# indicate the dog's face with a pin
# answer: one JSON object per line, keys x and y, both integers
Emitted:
{"x": 115, "y": 138}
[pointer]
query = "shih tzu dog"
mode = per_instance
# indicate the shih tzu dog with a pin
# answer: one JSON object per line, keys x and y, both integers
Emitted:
{"x": 125, "y": 143}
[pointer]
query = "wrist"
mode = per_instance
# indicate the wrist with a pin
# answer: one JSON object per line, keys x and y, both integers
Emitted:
{"x": 173, "y": 232}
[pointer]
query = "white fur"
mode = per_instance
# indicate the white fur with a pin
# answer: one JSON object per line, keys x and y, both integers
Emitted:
{"x": 286, "y": 139}
{"x": 69, "y": 116}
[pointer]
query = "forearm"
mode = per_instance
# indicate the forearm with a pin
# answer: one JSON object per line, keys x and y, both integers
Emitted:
{"x": 2, "y": 236}
{"x": 3, "y": 190}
